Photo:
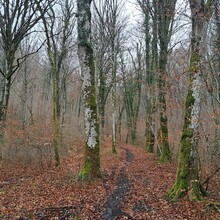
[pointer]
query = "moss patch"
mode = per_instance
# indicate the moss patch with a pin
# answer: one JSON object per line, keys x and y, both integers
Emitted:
{"x": 88, "y": 171}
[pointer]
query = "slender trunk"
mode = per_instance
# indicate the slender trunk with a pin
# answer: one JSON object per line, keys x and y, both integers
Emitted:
{"x": 165, "y": 149}
{"x": 25, "y": 97}
{"x": 91, "y": 168}
{"x": 137, "y": 110}
{"x": 58, "y": 93}
{"x": 114, "y": 151}
{"x": 119, "y": 123}
{"x": 5, "y": 99}
{"x": 166, "y": 12}
{"x": 101, "y": 98}
{"x": 3, "y": 111}
{"x": 64, "y": 107}
{"x": 150, "y": 137}
{"x": 55, "y": 121}
{"x": 114, "y": 69}
{"x": 102, "y": 93}
{"x": 150, "y": 71}
{"x": 55, "y": 112}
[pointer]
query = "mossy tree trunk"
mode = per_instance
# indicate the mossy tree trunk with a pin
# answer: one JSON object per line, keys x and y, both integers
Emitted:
{"x": 4, "y": 105}
{"x": 187, "y": 178}
{"x": 165, "y": 149}
{"x": 91, "y": 168}
{"x": 150, "y": 61}
{"x": 166, "y": 12}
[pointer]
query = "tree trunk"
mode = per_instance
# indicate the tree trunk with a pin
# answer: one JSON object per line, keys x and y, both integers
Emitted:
{"x": 55, "y": 110}
{"x": 25, "y": 97}
{"x": 166, "y": 12}
{"x": 5, "y": 99}
{"x": 3, "y": 110}
{"x": 114, "y": 151}
{"x": 114, "y": 69}
{"x": 149, "y": 132}
{"x": 91, "y": 168}
{"x": 165, "y": 149}
{"x": 102, "y": 93}
{"x": 150, "y": 70}
{"x": 187, "y": 179}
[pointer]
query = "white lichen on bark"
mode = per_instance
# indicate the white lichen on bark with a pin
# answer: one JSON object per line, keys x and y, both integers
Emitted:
{"x": 196, "y": 108}
{"x": 86, "y": 60}
{"x": 89, "y": 121}
{"x": 90, "y": 129}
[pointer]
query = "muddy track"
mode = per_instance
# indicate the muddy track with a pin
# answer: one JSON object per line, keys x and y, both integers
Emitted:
{"x": 123, "y": 186}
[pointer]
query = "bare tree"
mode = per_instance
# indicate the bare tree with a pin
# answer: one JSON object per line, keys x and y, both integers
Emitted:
{"x": 110, "y": 26}
{"x": 149, "y": 10}
{"x": 17, "y": 19}
{"x": 132, "y": 76}
{"x": 58, "y": 31}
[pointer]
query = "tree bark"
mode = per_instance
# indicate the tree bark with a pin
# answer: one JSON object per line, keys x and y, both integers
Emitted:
{"x": 91, "y": 168}
{"x": 151, "y": 68}
{"x": 166, "y": 11}
{"x": 188, "y": 179}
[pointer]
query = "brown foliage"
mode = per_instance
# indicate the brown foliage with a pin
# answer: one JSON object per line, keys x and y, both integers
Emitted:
{"x": 53, "y": 192}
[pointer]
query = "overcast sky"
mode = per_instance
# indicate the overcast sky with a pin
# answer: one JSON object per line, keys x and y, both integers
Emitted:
{"x": 182, "y": 21}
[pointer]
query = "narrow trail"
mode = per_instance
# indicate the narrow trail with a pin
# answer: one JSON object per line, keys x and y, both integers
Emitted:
{"x": 123, "y": 187}
{"x": 133, "y": 187}
{"x": 140, "y": 192}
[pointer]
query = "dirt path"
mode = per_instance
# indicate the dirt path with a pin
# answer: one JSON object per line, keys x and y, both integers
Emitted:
{"x": 123, "y": 187}
{"x": 141, "y": 189}
{"x": 133, "y": 186}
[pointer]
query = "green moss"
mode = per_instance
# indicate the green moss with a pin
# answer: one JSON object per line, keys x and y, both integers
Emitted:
{"x": 89, "y": 171}
{"x": 85, "y": 170}
{"x": 165, "y": 149}
{"x": 114, "y": 151}
{"x": 165, "y": 154}
{"x": 150, "y": 138}
{"x": 91, "y": 168}
{"x": 187, "y": 173}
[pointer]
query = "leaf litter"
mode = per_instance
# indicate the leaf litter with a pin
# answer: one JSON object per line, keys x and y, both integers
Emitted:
{"x": 133, "y": 186}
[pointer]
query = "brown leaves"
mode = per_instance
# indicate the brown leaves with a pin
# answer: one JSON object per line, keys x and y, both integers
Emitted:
{"x": 54, "y": 192}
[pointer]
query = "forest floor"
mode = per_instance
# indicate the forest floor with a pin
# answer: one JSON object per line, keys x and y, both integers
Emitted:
{"x": 133, "y": 186}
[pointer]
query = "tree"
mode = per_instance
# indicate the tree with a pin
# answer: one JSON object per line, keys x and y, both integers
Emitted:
{"x": 91, "y": 168}
{"x": 109, "y": 25}
{"x": 166, "y": 12}
{"x": 151, "y": 64}
{"x": 17, "y": 19}
{"x": 187, "y": 177}
{"x": 132, "y": 86}
{"x": 26, "y": 47}
{"x": 58, "y": 33}
{"x": 102, "y": 58}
